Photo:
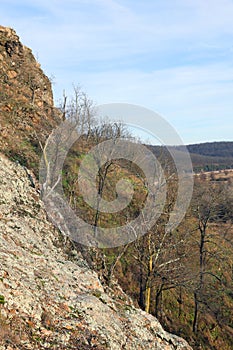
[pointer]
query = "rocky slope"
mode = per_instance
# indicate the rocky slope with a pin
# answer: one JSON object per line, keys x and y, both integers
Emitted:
{"x": 50, "y": 298}
{"x": 27, "y": 114}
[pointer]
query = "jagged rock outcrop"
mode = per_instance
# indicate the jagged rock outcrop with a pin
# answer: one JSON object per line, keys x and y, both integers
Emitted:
{"x": 27, "y": 114}
{"x": 51, "y": 299}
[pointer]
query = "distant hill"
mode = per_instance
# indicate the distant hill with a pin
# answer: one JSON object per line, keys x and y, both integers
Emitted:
{"x": 211, "y": 155}
{"x": 206, "y": 156}
{"x": 213, "y": 149}
{"x": 206, "y": 163}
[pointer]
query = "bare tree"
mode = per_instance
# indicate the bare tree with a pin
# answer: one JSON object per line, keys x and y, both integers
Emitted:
{"x": 207, "y": 207}
{"x": 80, "y": 110}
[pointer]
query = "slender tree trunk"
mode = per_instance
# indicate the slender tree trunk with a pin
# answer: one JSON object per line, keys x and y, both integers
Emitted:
{"x": 102, "y": 178}
{"x": 158, "y": 299}
{"x": 196, "y": 307}
{"x": 148, "y": 284}
{"x": 147, "y": 297}
{"x": 114, "y": 264}
{"x": 180, "y": 301}
{"x": 141, "y": 295}
{"x": 198, "y": 291}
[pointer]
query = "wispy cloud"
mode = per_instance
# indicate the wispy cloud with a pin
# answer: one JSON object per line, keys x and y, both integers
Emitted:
{"x": 191, "y": 96}
{"x": 171, "y": 56}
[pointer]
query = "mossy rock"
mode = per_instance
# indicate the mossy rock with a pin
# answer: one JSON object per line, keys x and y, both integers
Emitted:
{"x": 96, "y": 293}
{"x": 2, "y": 299}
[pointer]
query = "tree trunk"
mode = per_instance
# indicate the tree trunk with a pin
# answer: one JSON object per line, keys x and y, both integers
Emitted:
{"x": 148, "y": 284}
{"x": 195, "y": 319}
{"x": 141, "y": 294}
{"x": 158, "y": 299}
{"x": 180, "y": 301}
{"x": 148, "y": 295}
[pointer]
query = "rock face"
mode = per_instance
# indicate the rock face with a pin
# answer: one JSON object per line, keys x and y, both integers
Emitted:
{"x": 49, "y": 297}
{"x": 27, "y": 114}
{"x": 18, "y": 65}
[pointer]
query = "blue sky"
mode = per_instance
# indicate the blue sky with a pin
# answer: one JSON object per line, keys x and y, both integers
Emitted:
{"x": 174, "y": 57}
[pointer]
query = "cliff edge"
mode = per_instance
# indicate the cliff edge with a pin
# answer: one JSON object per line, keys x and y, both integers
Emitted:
{"x": 27, "y": 113}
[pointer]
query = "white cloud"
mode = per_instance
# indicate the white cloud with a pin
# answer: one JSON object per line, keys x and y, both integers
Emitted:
{"x": 171, "y": 56}
{"x": 192, "y": 97}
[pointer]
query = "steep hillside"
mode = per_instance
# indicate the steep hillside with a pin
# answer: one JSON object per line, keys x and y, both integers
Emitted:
{"x": 49, "y": 297}
{"x": 27, "y": 114}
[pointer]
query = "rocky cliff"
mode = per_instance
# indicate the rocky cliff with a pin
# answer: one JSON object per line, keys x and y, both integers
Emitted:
{"x": 49, "y": 296}
{"x": 27, "y": 114}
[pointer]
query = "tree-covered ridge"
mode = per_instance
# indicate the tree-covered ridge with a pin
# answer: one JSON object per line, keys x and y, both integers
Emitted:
{"x": 213, "y": 149}
{"x": 209, "y": 156}
{"x": 212, "y": 156}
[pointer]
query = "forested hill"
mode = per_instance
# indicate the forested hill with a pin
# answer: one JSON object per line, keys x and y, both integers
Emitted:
{"x": 212, "y": 155}
{"x": 207, "y": 156}
{"x": 213, "y": 149}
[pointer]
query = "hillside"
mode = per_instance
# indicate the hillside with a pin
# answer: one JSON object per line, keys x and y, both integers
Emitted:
{"x": 60, "y": 294}
{"x": 50, "y": 298}
{"x": 213, "y": 149}
{"x": 209, "y": 156}
{"x": 26, "y": 102}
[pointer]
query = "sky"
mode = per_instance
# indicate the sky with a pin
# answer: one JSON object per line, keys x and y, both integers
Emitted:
{"x": 174, "y": 57}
